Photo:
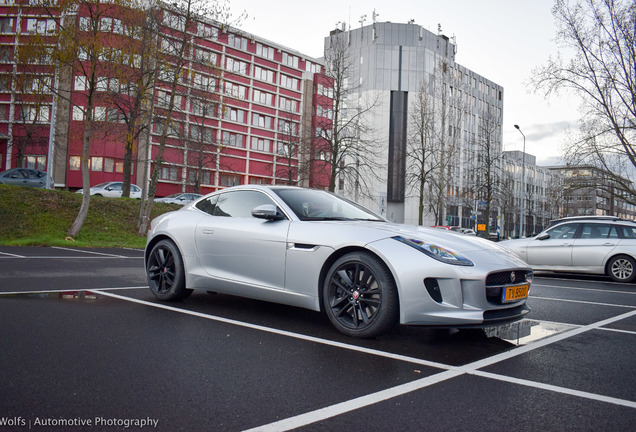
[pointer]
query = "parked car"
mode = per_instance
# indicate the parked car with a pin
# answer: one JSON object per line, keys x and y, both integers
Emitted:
{"x": 605, "y": 246}
{"x": 179, "y": 198}
{"x": 113, "y": 190}
{"x": 26, "y": 177}
{"x": 313, "y": 249}
{"x": 463, "y": 230}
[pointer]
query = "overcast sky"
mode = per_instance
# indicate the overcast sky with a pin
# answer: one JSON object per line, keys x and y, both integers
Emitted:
{"x": 502, "y": 40}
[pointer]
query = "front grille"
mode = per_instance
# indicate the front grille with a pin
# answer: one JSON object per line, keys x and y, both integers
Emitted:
{"x": 496, "y": 281}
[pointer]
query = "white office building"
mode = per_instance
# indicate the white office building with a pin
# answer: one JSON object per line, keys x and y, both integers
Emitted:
{"x": 397, "y": 64}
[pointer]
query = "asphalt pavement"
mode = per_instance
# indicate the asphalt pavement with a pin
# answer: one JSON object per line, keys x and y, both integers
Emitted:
{"x": 86, "y": 347}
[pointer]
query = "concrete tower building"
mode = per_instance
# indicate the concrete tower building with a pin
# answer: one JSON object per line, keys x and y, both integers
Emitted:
{"x": 397, "y": 65}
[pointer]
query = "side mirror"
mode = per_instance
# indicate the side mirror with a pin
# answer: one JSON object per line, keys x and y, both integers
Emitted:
{"x": 267, "y": 211}
{"x": 543, "y": 236}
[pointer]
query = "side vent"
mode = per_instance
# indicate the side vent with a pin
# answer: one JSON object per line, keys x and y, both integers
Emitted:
{"x": 433, "y": 289}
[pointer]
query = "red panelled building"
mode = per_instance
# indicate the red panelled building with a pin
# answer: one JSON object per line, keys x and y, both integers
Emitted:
{"x": 245, "y": 113}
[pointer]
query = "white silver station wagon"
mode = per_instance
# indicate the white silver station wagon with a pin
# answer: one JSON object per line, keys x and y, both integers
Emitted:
{"x": 594, "y": 245}
{"x": 313, "y": 249}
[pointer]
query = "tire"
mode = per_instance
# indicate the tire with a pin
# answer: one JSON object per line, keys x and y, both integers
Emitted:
{"x": 360, "y": 296}
{"x": 165, "y": 273}
{"x": 622, "y": 268}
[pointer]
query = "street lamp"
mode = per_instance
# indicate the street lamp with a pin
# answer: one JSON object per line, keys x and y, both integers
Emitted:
{"x": 523, "y": 182}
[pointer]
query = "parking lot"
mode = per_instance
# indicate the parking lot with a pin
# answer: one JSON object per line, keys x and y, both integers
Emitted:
{"x": 85, "y": 346}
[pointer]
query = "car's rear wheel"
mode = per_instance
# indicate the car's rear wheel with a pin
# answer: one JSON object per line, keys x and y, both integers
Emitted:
{"x": 360, "y": 295}
{"x": 622, "y": 268}
{"x": 164, "y": 269}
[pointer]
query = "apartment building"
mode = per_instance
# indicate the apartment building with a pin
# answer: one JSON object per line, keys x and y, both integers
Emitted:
{"x": 243, "y": 113}
{"x": 396, "y": 65}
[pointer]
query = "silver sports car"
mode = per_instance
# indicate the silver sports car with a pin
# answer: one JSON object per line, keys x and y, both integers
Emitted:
{"x": 316, "y": 250}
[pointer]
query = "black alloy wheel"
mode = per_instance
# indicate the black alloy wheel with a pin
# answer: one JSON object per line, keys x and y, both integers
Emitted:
{"x": 622, "y": 268}
{"x": 360, "y": 296}
{"x": 164, "y": 269}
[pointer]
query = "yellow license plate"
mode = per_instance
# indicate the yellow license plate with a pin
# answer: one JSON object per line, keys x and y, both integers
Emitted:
{"x": 514, "y": 293}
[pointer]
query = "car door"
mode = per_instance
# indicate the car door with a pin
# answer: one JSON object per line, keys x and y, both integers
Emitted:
{"x": 114, "y": 190}
{"x": 235, "y": 246}
{"x": 135, "y": 191}
{"x": 17, "y": 177}
{"x": 35, "y": 178}
{"x": 594, "y": 243}
{"x": 555, "y": 250}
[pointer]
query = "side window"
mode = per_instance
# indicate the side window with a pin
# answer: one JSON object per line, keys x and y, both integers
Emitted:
{"x": 208, "y": 205}
{"x": 596, "y": 231}
{"x": 240, "y": 203}
{"x": 613, "y": 234}
{"x": 565, "y": 231}
{"x": 629, "y": 232}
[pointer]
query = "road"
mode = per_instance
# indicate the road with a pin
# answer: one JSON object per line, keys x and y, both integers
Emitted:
{"x": 85, "y": 346}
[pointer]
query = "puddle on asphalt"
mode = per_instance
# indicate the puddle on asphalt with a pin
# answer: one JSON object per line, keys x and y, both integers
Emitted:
{"x": 64, "y": 295}
{"x": 526, "y": 331}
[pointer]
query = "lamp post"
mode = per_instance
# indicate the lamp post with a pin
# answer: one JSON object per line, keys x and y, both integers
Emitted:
{"x": 523, "y": 183}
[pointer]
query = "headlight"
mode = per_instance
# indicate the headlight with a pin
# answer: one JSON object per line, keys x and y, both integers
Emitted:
{"x": 436, "y": 252}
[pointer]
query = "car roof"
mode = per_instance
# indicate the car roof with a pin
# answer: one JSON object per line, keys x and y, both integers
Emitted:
{"x": 588, "y": 219}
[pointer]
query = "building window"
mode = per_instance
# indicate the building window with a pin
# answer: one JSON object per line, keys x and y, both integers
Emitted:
{"x": 207, "y": 31}
{"x": 41, "y": 26}
{"x": 230, "y": 180}
{"x": 264, "y": 74}
{"x": 35, "y": 162}
{"x": 36, "y": 114}
{"x": 237, "y": 42}
{"x": 288, "y": 82}
{"x": 232, "y": 139}
{"x": 260, "y": 144}
{"x": 75, "y": 163}
{"x": 169, "y": 173}
{"x": 205, "y": 176}
{"x": 261, "y": 121}
{"x": 109, "y": 165}
{"x": 80, "y": 83}
{"x": 236, "y": 66}
{"x": 97, "y": 163}
{"x": 6, "y": 25}
{"x": 99, "y": 114}
{"x": 262, "y": 97}
{"x": 264, "y": 51}
{"x": 78, "y": 113}
{"x": 234, "y": 115}
{"x": 290, "y": 60}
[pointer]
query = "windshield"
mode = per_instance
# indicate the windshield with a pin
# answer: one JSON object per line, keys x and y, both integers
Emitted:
{"x": 309, "y": 204}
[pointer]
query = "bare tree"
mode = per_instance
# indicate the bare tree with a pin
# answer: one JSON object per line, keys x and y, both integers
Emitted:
{"x": 421, "y": 145}
{"x": 84, "y": 53}
{"x": 289, "y": 141}
{"x": 178, "y": 34}
{"x": 487, "y": 170}
{"x": 440, "y": 123}
{"x": 601, "y": 34}
{"x": 347, "y": 136}
{"x": 135, "y": 76}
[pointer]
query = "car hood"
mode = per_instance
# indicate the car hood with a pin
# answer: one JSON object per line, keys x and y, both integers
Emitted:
{"x": 342, "y": 233}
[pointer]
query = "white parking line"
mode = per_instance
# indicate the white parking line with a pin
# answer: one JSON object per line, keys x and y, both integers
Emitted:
{"x": 584, "y": 302}
{"x": 89, "y": 252}
{"x": 14, "y": 293}
{"x": 11, "y": 255}
{"x": 448, "y": 373}
{"x": 277, "y": 331}
{"x": 585, "y": 289}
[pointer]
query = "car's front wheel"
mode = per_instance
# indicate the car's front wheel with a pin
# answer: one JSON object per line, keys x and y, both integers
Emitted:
{"x": 360, "y": 295}
{"x": 165, "y": 272}
{"x": 622, "y": 268}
